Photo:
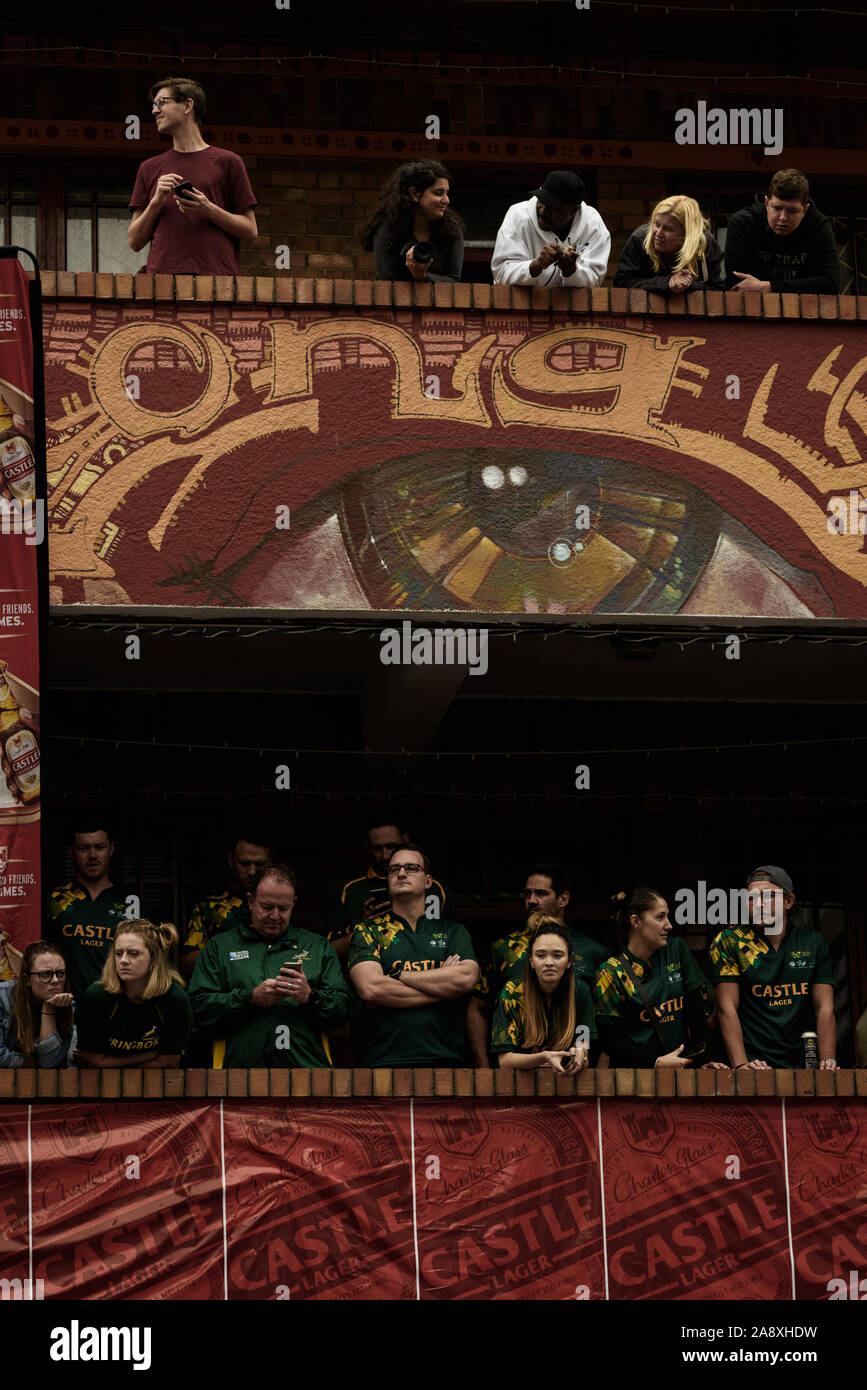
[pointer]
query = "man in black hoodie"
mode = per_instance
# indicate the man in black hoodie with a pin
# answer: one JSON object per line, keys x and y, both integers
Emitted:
{"x": 782, "y": 242}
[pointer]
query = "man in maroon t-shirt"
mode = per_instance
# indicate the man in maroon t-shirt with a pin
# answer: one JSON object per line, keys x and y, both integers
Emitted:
{"x": 197, "y": 231}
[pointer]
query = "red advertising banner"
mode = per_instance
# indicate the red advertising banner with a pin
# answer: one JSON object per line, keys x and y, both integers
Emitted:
{"x": 318, "y": 1202}
{"x": 508, "y": 1201}
{"x": 696, "y": 1200}
{"x": 828, "y": 1178}
{"x": 430, "y": 1200}
{"x": 22, "y": 524}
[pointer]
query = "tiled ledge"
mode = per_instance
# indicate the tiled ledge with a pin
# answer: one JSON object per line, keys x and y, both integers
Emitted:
{"x": 427, "y": 1083}
{"x": 388, "y": 294}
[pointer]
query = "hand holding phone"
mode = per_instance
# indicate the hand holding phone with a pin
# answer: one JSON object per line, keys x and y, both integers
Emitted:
{"x": 182, "y": 190}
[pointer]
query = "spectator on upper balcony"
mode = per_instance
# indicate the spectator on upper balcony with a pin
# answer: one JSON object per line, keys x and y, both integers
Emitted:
{"x": 36, "y": 1019}
{"x": 193, "y": 203}
{"x": 413, "y": 233}
{"x": 553, "y": 239}
{"x": 782, "y": 242}
{"x": 673, "y": 253}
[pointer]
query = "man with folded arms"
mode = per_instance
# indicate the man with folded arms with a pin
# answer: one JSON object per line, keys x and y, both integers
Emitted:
{"x": 414, "y": 975}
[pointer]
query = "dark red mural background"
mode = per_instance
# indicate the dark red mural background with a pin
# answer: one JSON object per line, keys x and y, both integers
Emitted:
{"x": 307, "y": 459}
{"x": 438, "y": 1200}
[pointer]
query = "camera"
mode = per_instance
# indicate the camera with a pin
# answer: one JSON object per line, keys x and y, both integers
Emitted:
{"x": 422, "y": 251}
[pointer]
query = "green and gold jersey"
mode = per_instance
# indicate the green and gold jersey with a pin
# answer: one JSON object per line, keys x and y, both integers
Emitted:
{"x": 114, "y": 1024}
{"x": 775, "y": 1005}
{"x": 507, "y": 1032}
{"x": 669, "y": 974}
{"x": 83, "y": 929}
{"x": 212, "y": 915}
{"x": 429, "y": 1036}
{"x": 356, "y": 892}
{"x": 508, "y": 957}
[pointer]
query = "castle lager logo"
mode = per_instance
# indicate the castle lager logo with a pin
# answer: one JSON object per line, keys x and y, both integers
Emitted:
{"x": 648, "y": 1129}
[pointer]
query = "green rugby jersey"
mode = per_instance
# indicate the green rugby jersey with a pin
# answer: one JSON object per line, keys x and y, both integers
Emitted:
{"x": 775, "y": 1005}
{"x": 507, "y": 1032}
{"x": 424, "y": 1037}
{"x": 669, "y": 974}
{"x": 114, "y": 1024}
{"x": 355, "y": 893}
{"x": 509, "y": 954}
{"x": 287, "y": 1034}
{"x": 209, "y": 916}
{"x": 83, "y": 928}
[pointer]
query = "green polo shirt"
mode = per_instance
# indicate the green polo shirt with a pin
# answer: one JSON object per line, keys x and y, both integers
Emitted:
{"x": 83, "y": 929}
{"x": 669, "y": 974}
{"x": 775, "y": 1005}
{"x": 287, "y": 1034}
{"x": 507, "y": 1032}
{"x": 210, "y": 916}
{"x": 114, "y": 1024}
{"x": 508, "y": 957}
{"x": 356, "y": 892}
{"x": 431, "y": 1036}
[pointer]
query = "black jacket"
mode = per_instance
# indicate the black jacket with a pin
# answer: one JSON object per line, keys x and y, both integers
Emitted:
{"x": 635, "y": 268}
{"x": 446, "y": 265}
{"x": 804, "y": 262}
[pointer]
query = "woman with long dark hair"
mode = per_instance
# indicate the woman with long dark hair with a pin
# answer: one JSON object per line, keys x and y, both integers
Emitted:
{"x": 137, "y": 1014}
{"x": 546, "y": 1018}
{"x": 413, "y": 232}
{"x": 36, "y": 1027}
{"x": 652, "y": 1001}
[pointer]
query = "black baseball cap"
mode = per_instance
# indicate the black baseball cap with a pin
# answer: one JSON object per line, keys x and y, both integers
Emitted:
{"x": 772, "y": 873}
{"x": 560, "y": 187}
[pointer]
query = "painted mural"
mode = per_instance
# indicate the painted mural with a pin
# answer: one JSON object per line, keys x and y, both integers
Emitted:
{"x": 449, "y": 461}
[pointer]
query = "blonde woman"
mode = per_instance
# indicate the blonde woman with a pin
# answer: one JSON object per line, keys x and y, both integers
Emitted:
{"x": 672, "y": 253}
{"x": 137, "y": 1014}
{"x": 546, "y": 1018}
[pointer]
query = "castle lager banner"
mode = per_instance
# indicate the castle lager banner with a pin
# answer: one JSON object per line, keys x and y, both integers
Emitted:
{"x": 759, "y": 1201}
{"x": 21, "y": 530}
{"x": 301, "y": 458}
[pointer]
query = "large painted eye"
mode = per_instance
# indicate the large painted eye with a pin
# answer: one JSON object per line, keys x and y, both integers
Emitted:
{"x": 509, "y": 531}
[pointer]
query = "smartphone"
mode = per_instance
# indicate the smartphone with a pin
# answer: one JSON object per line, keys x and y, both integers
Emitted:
{"x": 294, "y": 964}
{"x": 694, "y": 1050}
{"x": 182, "y": 189}
{"x": 380, "y": 896}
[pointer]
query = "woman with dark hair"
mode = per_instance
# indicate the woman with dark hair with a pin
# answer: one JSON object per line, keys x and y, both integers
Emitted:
{"x": 652, "y": 1001}
{"x": 413, "y": 233}
{"x": 36, "y": 1027}
{"x": 546, "y": 1018}
{"x": 137, "y": 1014}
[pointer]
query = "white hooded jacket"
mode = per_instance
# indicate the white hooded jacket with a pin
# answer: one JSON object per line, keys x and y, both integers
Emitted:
{"x": 520, "y": 240}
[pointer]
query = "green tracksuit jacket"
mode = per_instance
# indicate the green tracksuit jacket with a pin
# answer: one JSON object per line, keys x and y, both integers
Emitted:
{"x": 288, "y": 1034}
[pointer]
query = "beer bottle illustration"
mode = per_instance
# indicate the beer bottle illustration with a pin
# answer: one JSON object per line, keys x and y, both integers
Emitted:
{"x": 17, "y": 465}
{"x": 19, "y": 744}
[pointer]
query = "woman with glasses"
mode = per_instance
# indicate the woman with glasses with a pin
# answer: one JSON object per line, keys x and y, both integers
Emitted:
{"x": 138, "y": 1013}
{"x": 36, "y": 1027}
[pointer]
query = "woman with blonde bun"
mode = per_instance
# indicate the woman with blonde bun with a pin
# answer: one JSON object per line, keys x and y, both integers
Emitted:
{"x": 137, "y": 1014}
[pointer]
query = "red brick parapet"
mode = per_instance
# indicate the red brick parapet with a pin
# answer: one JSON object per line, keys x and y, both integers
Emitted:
{"x": 396, "y": 294}
{"x": 425, "y": 1083}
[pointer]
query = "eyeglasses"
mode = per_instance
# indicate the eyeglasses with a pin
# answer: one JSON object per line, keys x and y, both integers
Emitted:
{"x": 407, "y": 868}
{"x": 164, "y": 101}
{"x": 46, "y": 976}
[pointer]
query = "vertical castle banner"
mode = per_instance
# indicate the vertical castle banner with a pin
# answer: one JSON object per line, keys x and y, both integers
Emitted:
{"x": 21, "y": 530}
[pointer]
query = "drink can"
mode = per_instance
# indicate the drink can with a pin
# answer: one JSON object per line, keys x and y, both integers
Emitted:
{"x": 810, "y": 1043}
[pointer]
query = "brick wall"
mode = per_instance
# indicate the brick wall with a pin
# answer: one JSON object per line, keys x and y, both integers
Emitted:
{"x": 318, "y": 212}
{"x": 129, "y": 1083}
